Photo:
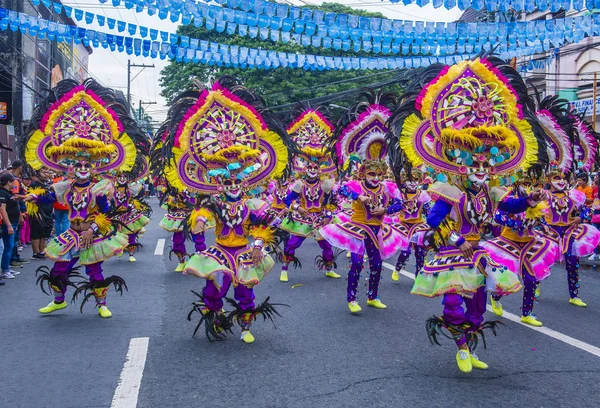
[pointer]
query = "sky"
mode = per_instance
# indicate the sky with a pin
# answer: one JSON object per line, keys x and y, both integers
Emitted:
{"x": 110, "y": 68}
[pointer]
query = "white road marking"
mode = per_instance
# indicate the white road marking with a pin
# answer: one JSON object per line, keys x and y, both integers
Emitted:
{"x": 160, "y": 247}
{"x": 128, "y": 389}
{"x": 517, "y": 319}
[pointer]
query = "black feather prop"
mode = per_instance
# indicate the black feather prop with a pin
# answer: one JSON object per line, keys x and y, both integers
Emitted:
{"x": 436, "y": 327}
{"x": 87, "y": 288}
{"x": 474, "y": 335}
{"x": 265, "y": 309}
{"x": 216, "y": 324}
{"x": 47, "y": 279}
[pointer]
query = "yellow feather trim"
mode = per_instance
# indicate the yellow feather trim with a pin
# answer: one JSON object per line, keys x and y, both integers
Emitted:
{"x": 537, "y": 212}
{"x": 267, "y": 234}
{"x": 282, "y": 155}
{"x": 223, "y": 156}
{"x": 75, "y": 145}
{"x": 103, "y": 223}
{"x": 485, "y": 75}
{"x": 31, "y": 156}
{"x": 171, "y": 173}
{"x": 330, "y": 207}
{"x": 312, "y": 115}
{"x": 200, "y": 213}
{"x": 32, "y": 208}
{"x": 407, "y": 139}
{"x": 503, "y": 135}
{"x": 91, "y": 102}
{"x": 130, "y": 152}
{"x": 309, "y": 151}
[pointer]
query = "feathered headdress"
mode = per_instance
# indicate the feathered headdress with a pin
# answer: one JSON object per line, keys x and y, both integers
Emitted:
{"x": 223, "y": 136}
{"x": 83, "y": 121}
{"x": 362, "y": 130}
{"x": 310, "y": 131}
{"x": 585, "y": 146}
{"x": 466, "y": 115}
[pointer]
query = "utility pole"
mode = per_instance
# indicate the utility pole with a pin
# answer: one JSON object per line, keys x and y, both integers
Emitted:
{"x": 140, "y": 108}
{"x": 129, "y": 79}
{"x": 594, "y": 99}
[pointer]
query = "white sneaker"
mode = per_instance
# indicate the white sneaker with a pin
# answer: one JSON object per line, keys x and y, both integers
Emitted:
{"x": 593, "y": 257}
{"x": 14, "y": 273}
{"x": 7, "y": 275}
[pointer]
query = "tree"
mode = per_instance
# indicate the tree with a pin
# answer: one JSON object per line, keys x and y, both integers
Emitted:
{"x": 278, "y": 86}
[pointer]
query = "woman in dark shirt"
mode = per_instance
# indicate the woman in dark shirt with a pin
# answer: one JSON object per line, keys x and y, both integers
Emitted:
{"x": 13, "y": 212}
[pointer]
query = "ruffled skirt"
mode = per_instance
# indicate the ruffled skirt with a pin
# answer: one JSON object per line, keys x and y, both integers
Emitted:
{"x": 66, "y": 247}
{"x": 582, "y": 239}
{"x": 217, "y": 261}
{"x": 449, "y": 272}
{"x": 350, "y": 236}
{"x": 173, "y": 221}
{"x": 536, "y": 256}
{"x": 134, "y": 221}
{"x": 411, "y": 233}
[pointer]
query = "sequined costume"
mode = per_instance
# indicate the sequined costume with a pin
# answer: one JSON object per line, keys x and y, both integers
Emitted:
{"x": 84, "y": 130}
{"x": 465, "y": 123}
{"x": 311, "y": 201}
{"x": 361, "y": 135}
{"x": 410, "y": 221}
{"x": 225, "y": 150}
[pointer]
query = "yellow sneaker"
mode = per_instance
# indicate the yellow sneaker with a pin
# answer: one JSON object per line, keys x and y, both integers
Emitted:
{"x": 247, "y": 337}
{"x": 396, "y": 276}
{"x": 53, "y": 307}
{"x": 376, "y": 303}
{"x": 283, "y": 277}
{"x": 348, "y": 254}
{"x": 104, "y": 312}
{"x": 538, "y": 292}
{"x": 497, "y": 308}
{"x": 332, "y": 274}
{"x": 463, "y": 360}
{"x": 132, "y": 259}
{"x": 120, "y": 254}
{"x": 531, "y": 320}
{"x": 577, "y": 302}
{"x": 476, "y": 363}
{"x": 354, "y": 307}
{"x": 180, "y": 267}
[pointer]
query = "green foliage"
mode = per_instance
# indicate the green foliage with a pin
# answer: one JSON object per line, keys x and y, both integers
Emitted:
{"x": 277, "y": 86}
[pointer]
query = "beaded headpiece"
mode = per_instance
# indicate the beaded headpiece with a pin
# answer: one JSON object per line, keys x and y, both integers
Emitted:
{"x": 78, "y": 122}
{"x": 309, "y": 131}
{"x": 466, "y": 118}
{"x": 222, "y": 139}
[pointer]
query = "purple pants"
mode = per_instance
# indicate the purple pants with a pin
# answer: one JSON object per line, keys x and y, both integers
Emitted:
{"x": 356, "y": 267}
{"x": 571, "y": 264}
{"x": 61, "y": 269}
{"x": 213, "y": 296}
{"x": 179, "y": 243}
{"x": 296, "y": 241}
{"x": 530, "y": 284}
{"x": 454, "y": 313}
{"x": 419, "y": 255}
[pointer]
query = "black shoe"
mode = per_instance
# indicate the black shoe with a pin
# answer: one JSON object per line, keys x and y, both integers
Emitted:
{"x": 2, "y": 283}
{"x": 22, "y": 261}
{"x": 15, "y": 264}
{"x": 38, "y": 256}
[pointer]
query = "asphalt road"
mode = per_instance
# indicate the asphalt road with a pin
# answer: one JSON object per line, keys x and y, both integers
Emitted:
{"x": 319, "y": 355}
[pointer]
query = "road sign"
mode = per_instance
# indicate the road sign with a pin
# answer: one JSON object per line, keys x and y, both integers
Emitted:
{"x": 3, "y": 110}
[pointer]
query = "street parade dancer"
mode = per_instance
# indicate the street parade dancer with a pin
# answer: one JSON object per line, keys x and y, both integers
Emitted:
{"x": 222, "y": 147}
{"x": 409, "y": 221}
{"x": 182, "y": 206}
{"x": 131, "y": 210}
{"x": 568, "y": 213}
{"x": 86, "y": 131}
{"x": 465, "y": 123}
{"x": 311, "y": 200}
{"x": 361, "y": 135}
